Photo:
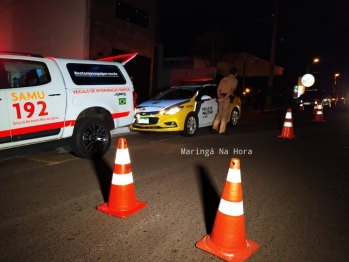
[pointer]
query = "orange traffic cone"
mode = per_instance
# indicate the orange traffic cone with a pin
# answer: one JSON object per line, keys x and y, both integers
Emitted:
{"x": 315, "y": 108}
{"x": 228, "y": 238}
{"x": 122, "y": 197}
{"x": 287, "y": 129}
{"x": 301, "y": 106}
{"x": 319, "y": 115}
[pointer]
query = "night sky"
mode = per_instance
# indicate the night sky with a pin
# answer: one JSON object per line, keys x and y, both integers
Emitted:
{"x": 305, "y": 29}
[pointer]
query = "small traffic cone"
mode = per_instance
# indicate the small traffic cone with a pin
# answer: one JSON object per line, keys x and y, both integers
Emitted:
{"x": 301, "y": 106}
{"x": 315, "y": 108}
{"x": 287, "y": 129}
{"x": 122, "y": 197}
{"x": 319, "y": 115}
{"x": 228, "y": 238}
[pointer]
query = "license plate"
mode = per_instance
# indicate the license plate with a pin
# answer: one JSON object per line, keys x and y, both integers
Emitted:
{"x": 306, "y": 103}
{"x": 143, "y": 120}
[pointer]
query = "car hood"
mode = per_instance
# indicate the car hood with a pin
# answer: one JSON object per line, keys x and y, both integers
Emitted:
{"x": 157, "y": 105}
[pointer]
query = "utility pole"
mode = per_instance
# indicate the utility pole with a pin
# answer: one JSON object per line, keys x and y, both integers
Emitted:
{"x": 213, "y": 47}
{"x": 272, "y": 56}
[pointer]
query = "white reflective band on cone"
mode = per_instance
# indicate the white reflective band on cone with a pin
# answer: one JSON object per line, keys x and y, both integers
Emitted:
{"x": 288, "y": 124}
{"x": 231, "y": 208}
{"x": 122, "y": 157}
{"x": 234, "y": 176}
{"x": 288, "y": 115}
{"x": 319, "y": 112}
{"x": 122, "y": 180}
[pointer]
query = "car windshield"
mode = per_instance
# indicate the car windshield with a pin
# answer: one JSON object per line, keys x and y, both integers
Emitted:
{"x": 176, "y": 93}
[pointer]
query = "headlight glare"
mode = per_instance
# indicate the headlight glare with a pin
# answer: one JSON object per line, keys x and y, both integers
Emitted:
{"x": 171, "y": 110}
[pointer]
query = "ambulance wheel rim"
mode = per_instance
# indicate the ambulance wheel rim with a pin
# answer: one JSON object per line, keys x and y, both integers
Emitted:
{"x": 95, "y": 138}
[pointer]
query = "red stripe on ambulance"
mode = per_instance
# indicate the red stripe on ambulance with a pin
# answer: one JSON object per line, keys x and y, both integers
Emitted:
{"x": 45, "y": 127}
{"x": 121, "y": 114}
{"x": 38, "y": 128}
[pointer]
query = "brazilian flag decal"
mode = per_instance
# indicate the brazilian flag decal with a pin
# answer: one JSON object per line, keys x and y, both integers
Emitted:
{"x": 122, "y": 101}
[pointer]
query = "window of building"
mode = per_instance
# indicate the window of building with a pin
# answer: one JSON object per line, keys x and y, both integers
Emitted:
{"x": 131, "y": 14}
{"x": 95, "y": 74}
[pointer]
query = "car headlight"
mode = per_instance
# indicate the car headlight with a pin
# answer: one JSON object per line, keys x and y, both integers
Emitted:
{"x": 171, "y": 110}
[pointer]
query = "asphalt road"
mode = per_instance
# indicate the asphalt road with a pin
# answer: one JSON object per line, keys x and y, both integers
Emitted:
{"x": 296, "y": 197}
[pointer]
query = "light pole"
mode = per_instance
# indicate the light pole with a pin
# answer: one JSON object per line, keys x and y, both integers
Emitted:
{"x": 268, "y": 98}
{"x": 335, "y": 78}
{"x": 335, "y": 81}
{"x": 315, "y": 60}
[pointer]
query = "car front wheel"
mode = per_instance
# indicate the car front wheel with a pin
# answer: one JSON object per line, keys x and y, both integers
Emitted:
{"x": 91, "y": 138}
{"x": 190, "y": 125}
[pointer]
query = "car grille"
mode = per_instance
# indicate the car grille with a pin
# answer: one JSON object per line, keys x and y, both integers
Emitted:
{"x": 153, "y": 120}
{"x": 147, "y": 113}
{"x": 144, "y": 126}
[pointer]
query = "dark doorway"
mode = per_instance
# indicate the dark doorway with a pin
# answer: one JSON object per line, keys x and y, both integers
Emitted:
{"x": 139, "y": 69}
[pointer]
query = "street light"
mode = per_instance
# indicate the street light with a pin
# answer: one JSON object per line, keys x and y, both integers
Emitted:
{"x": 335, "y": 81}
{"x": 315, "y": 60}
{"x": 335, "y": 78}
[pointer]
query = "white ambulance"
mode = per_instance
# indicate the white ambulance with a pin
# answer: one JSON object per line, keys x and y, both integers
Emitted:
{"x": 45, "y": 99}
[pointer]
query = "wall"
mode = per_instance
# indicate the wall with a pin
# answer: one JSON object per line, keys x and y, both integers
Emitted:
{"x": 50, "y": 28}
{"x": 163, "y": 80}
{"x": 6, "y": 31}
{"x": 179, "y": 75}
{"x": 108, "y": 33}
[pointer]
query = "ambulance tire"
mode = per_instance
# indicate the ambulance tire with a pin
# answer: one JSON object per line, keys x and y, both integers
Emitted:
{"x": 91, "y": 138}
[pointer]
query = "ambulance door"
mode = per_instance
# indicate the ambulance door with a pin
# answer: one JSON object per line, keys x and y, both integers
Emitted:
{"x": 5, "y": 133}
{"x": 36, "y": 102}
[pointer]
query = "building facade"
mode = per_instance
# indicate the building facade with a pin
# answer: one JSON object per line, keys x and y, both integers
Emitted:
{"x": 177, "y": 69}
{"x": 84, "y": 29}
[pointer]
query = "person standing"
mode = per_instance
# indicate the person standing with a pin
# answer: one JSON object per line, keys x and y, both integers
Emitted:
{"x": 225, "y": 90}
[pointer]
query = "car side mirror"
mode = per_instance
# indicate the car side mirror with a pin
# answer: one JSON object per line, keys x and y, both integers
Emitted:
{"x": 205, "y": 98}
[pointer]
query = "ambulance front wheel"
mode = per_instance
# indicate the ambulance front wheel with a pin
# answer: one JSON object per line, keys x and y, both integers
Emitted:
{"x": 91, "y": 138}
